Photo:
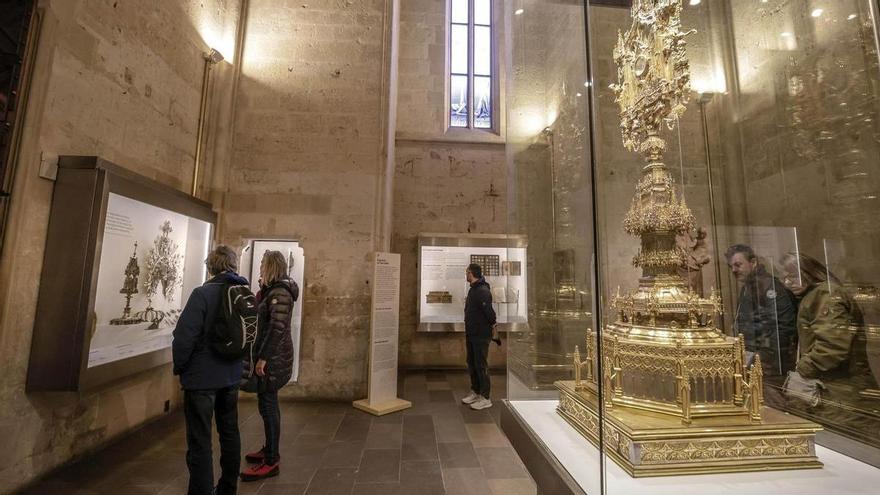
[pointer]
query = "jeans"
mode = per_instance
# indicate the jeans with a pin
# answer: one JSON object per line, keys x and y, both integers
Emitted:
{"x": 478, "y": 365}
{"x": 198, "y": 408}
{"x": 267, "y": 403}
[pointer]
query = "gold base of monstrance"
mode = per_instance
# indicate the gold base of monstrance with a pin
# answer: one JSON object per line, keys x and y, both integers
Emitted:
{"x": 677, "y": 394}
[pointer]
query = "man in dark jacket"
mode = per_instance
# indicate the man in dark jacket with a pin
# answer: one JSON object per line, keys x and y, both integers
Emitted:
{"x": 766, "y": 312}
{"x": 209, "y": 382}
{"x": 479, "y": 319}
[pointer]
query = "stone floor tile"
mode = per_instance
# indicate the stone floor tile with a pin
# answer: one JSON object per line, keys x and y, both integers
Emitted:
{"x": 323, "y": 424}
{"x": 450, "y": 429}
{"x": 421, "y": 477}
{"x": 468, "y": 415}
{"x": 332, "y": 481}
{"x": 385, "y": 436}
{"x": 458, "y": 455}
{"x": 419, "y": 441}
{"x": 501, "y": 463}
{"x": 513, "y": 487}
{"x": 465, "y": 481}
{"x": 486, "y": 435}
{"x": 376, "y": 489}
{"x": 440, "y": 396}
{"x": 354, "y": 428}
{"x": 343, "y": 454}
{"x": 432, "y": 386}
{"x": 284, "y": 489}
{"x": 379, "y": 466}
{"x": 395, "y": 418}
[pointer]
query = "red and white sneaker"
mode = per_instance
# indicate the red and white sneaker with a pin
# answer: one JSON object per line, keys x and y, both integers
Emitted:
{"x": 260, "y": 472}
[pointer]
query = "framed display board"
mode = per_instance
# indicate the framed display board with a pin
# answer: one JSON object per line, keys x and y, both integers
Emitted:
{"x": 251, "y": 256}
{"x": 123, "y": 254}
{"x": 443, "y": 259}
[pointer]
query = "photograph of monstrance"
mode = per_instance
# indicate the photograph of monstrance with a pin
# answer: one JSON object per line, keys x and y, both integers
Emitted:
{"x": 677, "y": 394}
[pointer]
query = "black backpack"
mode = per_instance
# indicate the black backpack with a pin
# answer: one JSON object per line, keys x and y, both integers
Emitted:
{"x": 234, "y": 331}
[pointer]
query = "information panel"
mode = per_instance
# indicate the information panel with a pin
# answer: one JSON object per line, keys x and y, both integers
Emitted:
{"x": 151, "y": 260}
{"x": 443, "y": 287}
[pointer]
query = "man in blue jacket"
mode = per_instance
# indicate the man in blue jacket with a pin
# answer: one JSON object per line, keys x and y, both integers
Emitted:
{"x": 479, "y": 319}
{"x": 210, "y": 382}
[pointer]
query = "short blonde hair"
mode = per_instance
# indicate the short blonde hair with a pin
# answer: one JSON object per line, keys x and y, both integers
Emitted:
{"x": 273, "y": 267}
{"x": 222, "y": 259}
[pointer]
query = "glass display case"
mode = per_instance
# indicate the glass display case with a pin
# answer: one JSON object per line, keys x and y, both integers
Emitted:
{"x": 710, "y": 171}
{"x": 123, "y": 254}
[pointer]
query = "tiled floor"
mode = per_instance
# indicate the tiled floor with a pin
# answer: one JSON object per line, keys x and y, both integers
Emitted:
{"x": 438, "y": 446}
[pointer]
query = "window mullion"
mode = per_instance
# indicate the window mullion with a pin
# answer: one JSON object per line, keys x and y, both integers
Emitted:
{"x": 470, "y": 75}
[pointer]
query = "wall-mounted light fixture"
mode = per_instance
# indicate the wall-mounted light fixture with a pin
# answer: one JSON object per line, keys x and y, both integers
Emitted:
{"x": 211, "y": 58}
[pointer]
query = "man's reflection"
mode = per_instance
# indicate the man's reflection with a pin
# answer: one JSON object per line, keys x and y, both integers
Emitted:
{"x": 766, "y": 312}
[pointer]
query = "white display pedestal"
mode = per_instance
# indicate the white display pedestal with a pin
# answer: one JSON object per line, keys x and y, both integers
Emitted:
{"x": 840, "y": 474}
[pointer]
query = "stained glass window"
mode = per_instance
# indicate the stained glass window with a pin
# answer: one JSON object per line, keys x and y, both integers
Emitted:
{"x": 470, "y": 64}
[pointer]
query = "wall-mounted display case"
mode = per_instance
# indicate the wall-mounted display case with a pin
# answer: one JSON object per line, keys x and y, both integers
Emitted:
{"x": 711, "y": 170}
{"x": 123, "y": 253}
{"x": 443, "y": 288}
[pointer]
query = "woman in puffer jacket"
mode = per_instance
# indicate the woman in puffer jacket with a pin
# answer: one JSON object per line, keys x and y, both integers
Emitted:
{"x": 274, "y": 353}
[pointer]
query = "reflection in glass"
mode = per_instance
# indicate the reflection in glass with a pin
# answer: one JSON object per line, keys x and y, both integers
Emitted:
{"x": 459, "y": 50}
{"x": 458, "y": 98}
{"x": 482, "y": 12}
{"x": 460, "y": 11}
{"x": 482, "y": 51}
{"x": 482, "y": 103}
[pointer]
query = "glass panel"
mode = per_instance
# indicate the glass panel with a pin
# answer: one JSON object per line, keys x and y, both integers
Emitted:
{"x": 459, "y": 50}
{"x": 550, "y": 203}
{"x": 752, "y": 230}
{"x": 458, "y": 102}
{"x": 482, "y": 102}
{"x": 483, "y": 12}
{"x": 482, "y": 51}
{"x": 460, "y": 11}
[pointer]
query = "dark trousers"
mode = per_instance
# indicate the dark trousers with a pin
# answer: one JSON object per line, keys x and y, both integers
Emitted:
{"x": 478, "y": 365}
{"x": 267, "y": 402}
{"x": 198, "y": 408}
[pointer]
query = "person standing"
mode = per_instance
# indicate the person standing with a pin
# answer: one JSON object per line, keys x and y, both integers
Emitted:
{"x": 210, "y": 382}
{"x": 479, "y": 320}
{"x": 274, "y": 365}
{"x": 766, "y": 312}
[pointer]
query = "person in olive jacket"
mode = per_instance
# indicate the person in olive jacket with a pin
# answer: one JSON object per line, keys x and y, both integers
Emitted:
{"x": 828, "y": 322}
{"x": 274, "y": 365}
{"x": 479, "y": 320}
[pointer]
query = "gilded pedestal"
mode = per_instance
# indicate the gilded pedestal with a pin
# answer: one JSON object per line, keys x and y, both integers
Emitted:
{"x": 653, "y": 444}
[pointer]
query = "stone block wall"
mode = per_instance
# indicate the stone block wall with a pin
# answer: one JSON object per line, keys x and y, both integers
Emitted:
{"x": 306, "y": 157}
{"x": 446, "y": 181}
{"x": 122, "y": 80}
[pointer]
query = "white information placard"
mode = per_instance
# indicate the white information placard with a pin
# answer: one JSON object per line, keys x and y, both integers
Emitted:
{"x": 384, "y": 327}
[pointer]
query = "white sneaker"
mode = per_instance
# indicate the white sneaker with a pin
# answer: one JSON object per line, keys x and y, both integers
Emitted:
{"x": 470, "y": 398}
{"x": 481, "y": 403}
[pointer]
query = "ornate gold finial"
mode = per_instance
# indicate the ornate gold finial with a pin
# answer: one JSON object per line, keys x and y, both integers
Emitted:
{"x": 653, "y": 74}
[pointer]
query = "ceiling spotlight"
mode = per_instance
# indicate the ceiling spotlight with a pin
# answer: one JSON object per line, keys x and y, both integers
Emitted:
{"x": 214, "y": 56}
{"x": 786, "y": 34}
{"x": 816, "y": 12}
{"x": 518, "y": 12}
{"x": 578, "y": 95}
{"x": 587, "y": 84}
{"x": 851, "y": 17}
{"x": 695, "y": 2}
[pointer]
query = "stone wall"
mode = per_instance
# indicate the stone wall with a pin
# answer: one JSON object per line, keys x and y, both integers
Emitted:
{"x": 121, "y": 80}
{"x": 446, "y": 181}
{"x": 306, "y": 158}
